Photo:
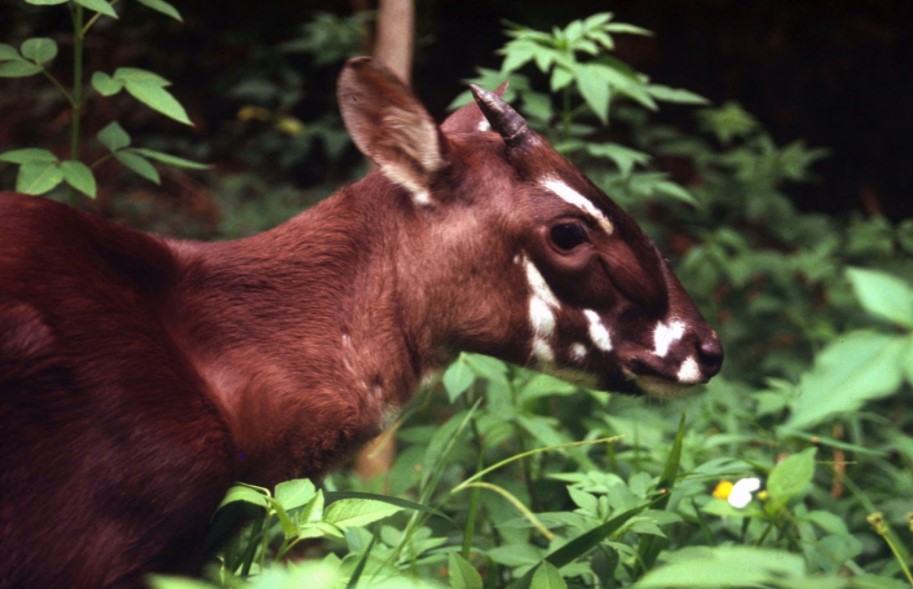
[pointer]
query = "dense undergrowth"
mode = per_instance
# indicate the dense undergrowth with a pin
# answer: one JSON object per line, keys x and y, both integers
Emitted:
{"x": 792, "y": 469}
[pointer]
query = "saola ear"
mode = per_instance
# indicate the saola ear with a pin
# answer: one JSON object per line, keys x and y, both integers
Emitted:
{"x": 390, "y": 125}
{"x": 469, "y": 118}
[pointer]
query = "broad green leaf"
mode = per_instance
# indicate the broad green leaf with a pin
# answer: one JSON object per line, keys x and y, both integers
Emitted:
{"x": 595, "y": 91}
{"x": 28, "y": 155}
{"x": 39, "y": 49}
{"x": 113, "y": 136}
{"x": 157, "y": 98}
{"x": 8, "y": 52}
{"x": 517, "y": 54}
{"x": 38, "y": 177}
{"x": 883, "y": 295}
{"x": 105, "y": 84}
{"x": 79, "y": 176}
{"x": 138, "y": 164}
{"x": 726, "y": 566}
{"x": 100, "y": 6}
{"x": 462, "y": 574}
{"x": 791, "y": 476}
{"x": 676, "y": 191}
{"x": 295, "y": 493}
{"x": 625, "y": 28}
{"x": 19, "y": 69}
{"x": 245, "y": 494}
{"x": 458, "y": 378}
{"x": 347, "y": 513}
{"x": 163, "y": 7}
{"x": 856, "y": 368}
{"x": 547, "y": 577}
{"x": 561, "y": 77}
{"x": 171, "y": 160}
{"x": 136, "y": 74}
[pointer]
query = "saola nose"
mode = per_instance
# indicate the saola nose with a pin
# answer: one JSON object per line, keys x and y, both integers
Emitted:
{"x": 710, "y": 355}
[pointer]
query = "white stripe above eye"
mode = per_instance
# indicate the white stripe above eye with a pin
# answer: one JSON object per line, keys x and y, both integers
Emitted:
{"x": 571, "y": 196}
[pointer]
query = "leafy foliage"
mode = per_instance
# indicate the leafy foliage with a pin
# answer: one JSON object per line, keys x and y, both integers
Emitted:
{"x": 40, "y": 170}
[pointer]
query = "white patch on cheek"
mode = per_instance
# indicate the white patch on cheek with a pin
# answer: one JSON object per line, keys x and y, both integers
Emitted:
{"x": 542, "y": 305}
{"x": 600, "y": 335}
{"x": 664, "y": 335}
{"x": 578, "y": 352}
{"x": 571, "y": 196}
{"x": 689, "y": 372}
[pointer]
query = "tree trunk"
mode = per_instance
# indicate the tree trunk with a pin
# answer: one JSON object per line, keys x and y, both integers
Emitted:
{"x": 392, "y": 47}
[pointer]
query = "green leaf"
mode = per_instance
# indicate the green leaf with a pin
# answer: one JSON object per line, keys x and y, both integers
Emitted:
{"x": 28, "y": 155}
{"x": 858, "y": 367}
{"x": 79, "y": 176}
{"x": 100, "y": 6}
{"x": 154, "y": 95}
{"x": 462, "y": 574}
{"x": 38, "y": 177}
{"x": 547, "y": 577}
{"x": 19, "y": 69}
{"x": 8, "y": 52}
{"x": 458, "y": 378}
{"x": 595, "y": 91}
{"x": 171, "y": 160}
{"x": 883, "y": 295}
{"x": 347, "y": 513}
{"x": 105, "y": 84}
{"x": 39, "y": 49}
{"x": 113, "y": 136}
{"x": 46, "y": 2}
{"x": 790, "y": 477}
{"x": 138, "y": 164}
{"x": 561, "y": 77}
{"x": 295, "y": 493}
{"x": 726, "y": 566}
{"x": 245, "y": 494}
{"x": 163, "y": 7}
{"x": 675, "y": 95}
{"x": 166, "y": 582}
{"x": 624, "y": 157}
{"x": 135, "y": 74}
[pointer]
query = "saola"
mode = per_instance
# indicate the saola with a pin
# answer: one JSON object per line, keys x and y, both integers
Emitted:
{"x": 140, "y": 376}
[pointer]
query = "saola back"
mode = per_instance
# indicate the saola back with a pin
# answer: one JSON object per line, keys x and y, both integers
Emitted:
{"x": 140, "y": 376}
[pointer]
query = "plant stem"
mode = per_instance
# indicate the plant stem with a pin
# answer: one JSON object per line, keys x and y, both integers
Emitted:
{"x": 77, "y": 98}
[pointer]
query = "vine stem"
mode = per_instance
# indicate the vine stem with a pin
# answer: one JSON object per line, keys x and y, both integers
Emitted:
{"x": 78, "y": 42}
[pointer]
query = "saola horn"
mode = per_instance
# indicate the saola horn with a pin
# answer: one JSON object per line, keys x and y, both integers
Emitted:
{"x": 503, "y": 119}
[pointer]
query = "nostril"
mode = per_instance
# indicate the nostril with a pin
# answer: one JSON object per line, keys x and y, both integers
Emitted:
{"x": 710, "y": 352}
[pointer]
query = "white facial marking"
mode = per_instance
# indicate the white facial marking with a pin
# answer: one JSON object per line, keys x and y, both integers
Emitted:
{"x": 689, "y": 372}
{"x": 542, "y": 350}
{"x": 542, "y": 306}
{"x": 484, "y": 126}
{"x": 571, "y": 196}
{"x": 578, "y": 352}
{"x": 600, "y": 335}
{"x": 665, "y": 334}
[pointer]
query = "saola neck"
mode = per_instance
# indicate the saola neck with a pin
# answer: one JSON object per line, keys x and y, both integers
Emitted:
{"x": 340, "y": 352}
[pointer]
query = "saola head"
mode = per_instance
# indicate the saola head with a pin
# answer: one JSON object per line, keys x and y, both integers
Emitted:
{"x": 513, "y": 252}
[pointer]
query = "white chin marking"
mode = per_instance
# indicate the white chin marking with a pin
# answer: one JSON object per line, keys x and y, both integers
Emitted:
{"x": 571, "y": 196}
{"x": 666, "y": 334}
{"x": 541, "y": 317}
{"x": 601, "y": 337}
{"x": 689, "y": 372}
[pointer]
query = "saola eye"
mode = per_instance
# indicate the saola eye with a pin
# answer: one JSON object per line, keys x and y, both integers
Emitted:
{"x": 567, "y": 236}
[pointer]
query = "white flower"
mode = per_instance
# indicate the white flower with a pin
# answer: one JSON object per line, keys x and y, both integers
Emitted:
{"x": 740, "y": 496}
